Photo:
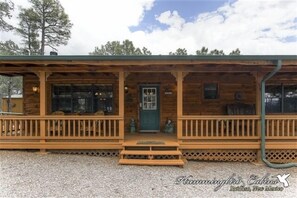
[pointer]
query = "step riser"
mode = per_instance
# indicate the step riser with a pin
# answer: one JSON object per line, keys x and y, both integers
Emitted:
{"x": 151, "y": 154}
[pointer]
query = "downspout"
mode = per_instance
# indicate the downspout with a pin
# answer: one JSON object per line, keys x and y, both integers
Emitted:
{"x": 263, "y": 138}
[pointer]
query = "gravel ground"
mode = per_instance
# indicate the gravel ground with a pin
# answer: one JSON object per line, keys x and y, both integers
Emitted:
{"x": 27, "y": 174}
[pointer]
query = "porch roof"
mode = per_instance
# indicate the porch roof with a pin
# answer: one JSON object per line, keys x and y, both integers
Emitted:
{"x": 13, "y": 65}
{"x": 150, "y": 57}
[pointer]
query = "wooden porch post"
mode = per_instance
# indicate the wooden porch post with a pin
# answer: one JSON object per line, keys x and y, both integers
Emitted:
{"x": 179, "y": 80}
{"x": 121, "y": 104}
{"x": 43, "y": 104}
{"x": 258, "y": 78}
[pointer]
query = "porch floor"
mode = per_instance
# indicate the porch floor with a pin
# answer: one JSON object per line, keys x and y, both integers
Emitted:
{"x": 147, "y": 136}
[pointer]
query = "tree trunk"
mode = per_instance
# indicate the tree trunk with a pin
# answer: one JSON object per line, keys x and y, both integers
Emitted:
{"x": 42, "y": 33}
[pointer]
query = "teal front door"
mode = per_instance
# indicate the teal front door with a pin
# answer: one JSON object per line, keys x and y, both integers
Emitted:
{"x": 149, "y": 109}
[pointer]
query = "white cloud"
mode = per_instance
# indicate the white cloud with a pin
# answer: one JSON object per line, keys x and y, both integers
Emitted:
{"x": 96, "y": 22}
{"x": 255, "y": 27}
{"x": 172, "y": 19}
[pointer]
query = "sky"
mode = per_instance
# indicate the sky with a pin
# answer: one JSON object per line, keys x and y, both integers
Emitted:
{"x": 263, "y": 27}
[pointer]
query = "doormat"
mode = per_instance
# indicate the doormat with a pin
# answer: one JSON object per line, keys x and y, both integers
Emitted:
{"x": 150, "y": 142}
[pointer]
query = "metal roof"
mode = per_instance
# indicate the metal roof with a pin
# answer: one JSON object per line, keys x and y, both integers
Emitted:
{"x": 150, "y": 57}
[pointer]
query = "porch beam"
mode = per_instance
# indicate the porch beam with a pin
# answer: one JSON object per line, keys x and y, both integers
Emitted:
{"x": 179, "y": 79}
{"x": 121, "y": 104}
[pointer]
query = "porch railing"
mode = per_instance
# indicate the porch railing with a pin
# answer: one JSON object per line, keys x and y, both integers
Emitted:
{"x": 219, "y": 127}
{"x": 60, "y": 127}
{"x": 81, "y": 127}
{"x": 281, "y": 126}
{"x": 20, "y": 127}
{"x": 237, "y": 127}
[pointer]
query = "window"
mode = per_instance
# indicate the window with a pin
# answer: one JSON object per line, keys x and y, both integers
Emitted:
{"x": 149, "y": 98}
{"x": 210, "y": 91}
{"x": 281, "y": 98}
{"x": 82, "y": 98}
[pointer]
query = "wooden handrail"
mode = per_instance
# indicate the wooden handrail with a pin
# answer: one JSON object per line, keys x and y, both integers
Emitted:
{"x": 62, "y": 117}
{"x": 219, "y": 117}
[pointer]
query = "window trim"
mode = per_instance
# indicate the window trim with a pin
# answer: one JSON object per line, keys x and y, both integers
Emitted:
{"x": 217, "y": 91}
{"x": 93, "y": 88}
{"x": 282, "y": 85}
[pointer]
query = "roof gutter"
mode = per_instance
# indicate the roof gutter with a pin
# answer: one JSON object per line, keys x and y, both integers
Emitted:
{"x": 263, "y": 137}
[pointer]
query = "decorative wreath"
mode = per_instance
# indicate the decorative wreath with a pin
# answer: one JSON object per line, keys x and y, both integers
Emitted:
{"x": 238, "y": 95}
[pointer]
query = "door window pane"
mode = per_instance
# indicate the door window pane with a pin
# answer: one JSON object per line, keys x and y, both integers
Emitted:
{"x": 149, "y": 98}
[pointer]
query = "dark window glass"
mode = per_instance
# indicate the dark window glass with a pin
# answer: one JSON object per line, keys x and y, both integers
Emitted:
{"x": 210, "y": 91}
{"x": 82, "y": 98}
{"x": 273, "y": 99}
{"x": 281, "y": 99}
{"x": 290, "y": 99}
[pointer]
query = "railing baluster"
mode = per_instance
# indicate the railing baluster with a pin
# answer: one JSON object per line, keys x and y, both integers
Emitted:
{"x": 10, "y": 128}
{"x": 99, "y": 127}
{"x": 288, "y": 128}
{"x": 186, "y": 128}
{"x": 206, "y": 128}
{"x": 293, "y": 128}
{"x": 253, "y": 128}
{"x": 14, "y": 126}
{"x": 109, "y": 128}
{"x": 22, "y": 127}
{"x": 242, "y": 127}
{"x": 272, "y": 127}
{"x": 94, "y": 128}
{"x": 196, "y": 128}
{"x": 248, "y": 128}
{"x": 191, "y": 132}
{"x": 277, "y": 128}
{"x": 211, "y": 128}
{"x": 89, "y": 127}
{"x": 237, "y": 127}
{"x": 114, "y": 128}
{"x": 227, "y": 128}
{"x": 283, "y": 127}
{"x": 217, "y": 128}
{"x": 222, "y": 128}
{"x": 104, "y": 127}
{"x": 201, "y": 128}
{"x": 232, "y": 127}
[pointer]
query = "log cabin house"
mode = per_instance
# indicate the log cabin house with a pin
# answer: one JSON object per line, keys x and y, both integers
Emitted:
{"x": 86, "y": 103}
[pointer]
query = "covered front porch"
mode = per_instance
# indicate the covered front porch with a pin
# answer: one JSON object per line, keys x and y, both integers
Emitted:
{"x": 200, "y": 96}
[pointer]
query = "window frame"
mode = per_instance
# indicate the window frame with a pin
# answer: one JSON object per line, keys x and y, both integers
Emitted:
{"x": 282, "y": 98}
{"x": 217, "y": 91}
{"x": 73, "y": 88}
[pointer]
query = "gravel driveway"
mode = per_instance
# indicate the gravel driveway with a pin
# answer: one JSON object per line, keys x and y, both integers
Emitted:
{"x": 28, "y": 174}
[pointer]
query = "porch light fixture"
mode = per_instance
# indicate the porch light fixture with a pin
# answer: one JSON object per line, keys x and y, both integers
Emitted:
{"x": 35, "y": 89}
{"x": 126, "y": 89}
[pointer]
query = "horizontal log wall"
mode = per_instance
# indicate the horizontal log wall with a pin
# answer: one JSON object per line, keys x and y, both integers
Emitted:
{"x": 228, "y": 84}
{"x": 31, "y": 99}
